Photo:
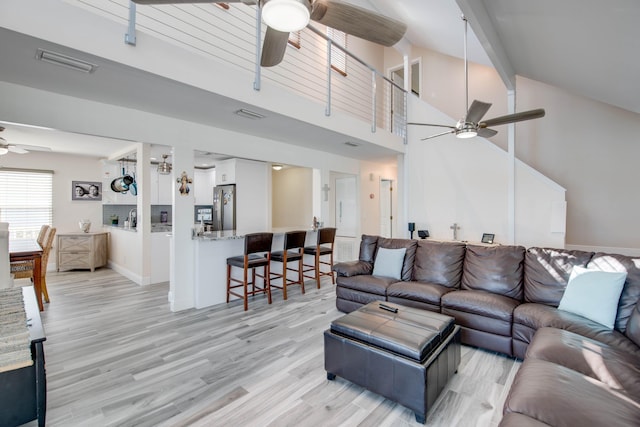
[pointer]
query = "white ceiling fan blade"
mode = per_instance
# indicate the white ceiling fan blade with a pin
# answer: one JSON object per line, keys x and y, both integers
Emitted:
{"x": 17, "y": 150}
{"x": 22, "y": 149}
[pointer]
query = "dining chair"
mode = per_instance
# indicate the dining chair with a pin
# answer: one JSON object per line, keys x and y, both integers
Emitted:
{"x": 24, "y": 269}
{"x": 290, "y": 256}
{"x": 257, "y": 253}
{"x": 322, "y": 248}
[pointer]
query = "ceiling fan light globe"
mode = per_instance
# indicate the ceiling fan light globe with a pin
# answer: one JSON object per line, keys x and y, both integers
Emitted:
{"x": 466, "y": 133}
{"x": 3, "y": 151}
{"x": 286, "y": 15}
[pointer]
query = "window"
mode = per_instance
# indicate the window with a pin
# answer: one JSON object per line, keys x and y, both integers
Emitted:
{"x": 26, "y": 201}
{"x": 338, "y": 56}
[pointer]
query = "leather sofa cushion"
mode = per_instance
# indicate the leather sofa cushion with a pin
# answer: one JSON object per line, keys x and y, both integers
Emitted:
{"x": 409, "y": 256}
{"x": 535, "y": 316}
{"x": 514, "y": 419}
{"x": 559, "y": 396}
{"x": 633, "y": 326}
{"x": 631, "y": 292}
{"x": 418, "y": 291}
{"x": 495, "y": 269}
{"x": 617, "y": 369}
{"x": 368, "y": 246}
{"x": 547, "y": 271}
{"x": 365, "y": 283}
{"x": 352, "y": 268}
{"x": 439, "y": 262}
{"x": 479, "y": 302}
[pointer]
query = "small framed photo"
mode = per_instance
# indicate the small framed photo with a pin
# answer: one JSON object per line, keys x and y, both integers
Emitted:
{"x": 86, "y": 190}
{"x": 487, "y": 238}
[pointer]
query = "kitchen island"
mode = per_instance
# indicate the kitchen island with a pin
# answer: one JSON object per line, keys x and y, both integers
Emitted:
{"x": 210, "y": 260}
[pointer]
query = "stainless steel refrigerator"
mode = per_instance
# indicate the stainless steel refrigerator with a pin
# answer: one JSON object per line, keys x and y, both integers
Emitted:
{"x": 224, "y": 207}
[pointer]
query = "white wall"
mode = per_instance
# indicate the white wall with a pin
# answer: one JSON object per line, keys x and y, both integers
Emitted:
{"x": 292, "y": 197}
{"x": 66, "y": 168}
{"x": 466, "y": 182}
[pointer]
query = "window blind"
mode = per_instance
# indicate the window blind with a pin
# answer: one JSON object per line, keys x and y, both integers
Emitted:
{"x": 26, "y": 201}
{"x": 338, "y": 57}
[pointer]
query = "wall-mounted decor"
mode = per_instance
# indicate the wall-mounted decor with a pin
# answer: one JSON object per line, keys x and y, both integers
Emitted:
{"x": 86, "y": 190}
{"x": 487, "y": 238}
{"x": 184, "y": 180}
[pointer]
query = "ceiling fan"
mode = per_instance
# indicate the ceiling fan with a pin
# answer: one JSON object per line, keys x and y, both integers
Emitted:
{"x": 472, "y": 124}
{"x": 285, "y": 16}
{"x": 5, "y": 147}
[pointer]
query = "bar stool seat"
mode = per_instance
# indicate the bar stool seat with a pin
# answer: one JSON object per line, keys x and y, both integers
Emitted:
{"x": 292, "y": 252}
{"x": 257, "y": 253}
{"x": 323, "y": 247}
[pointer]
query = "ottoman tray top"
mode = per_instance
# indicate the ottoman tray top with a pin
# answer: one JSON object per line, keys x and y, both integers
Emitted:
{"x": 407, "y": 331}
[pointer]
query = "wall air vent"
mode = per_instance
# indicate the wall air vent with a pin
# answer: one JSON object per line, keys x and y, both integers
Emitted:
{"x": 65, "y": 61}
{"x": 249, "y": 114}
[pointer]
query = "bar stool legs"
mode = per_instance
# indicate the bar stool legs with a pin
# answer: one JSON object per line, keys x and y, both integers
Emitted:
{"x": 257, "y": 253}
{"x": 293, "y": 247}
{"x": 323, "y": 247}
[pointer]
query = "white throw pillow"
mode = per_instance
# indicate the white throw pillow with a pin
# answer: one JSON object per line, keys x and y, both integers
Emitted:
{"x": 594, "y": 294}
{"x": 389, "y": 263}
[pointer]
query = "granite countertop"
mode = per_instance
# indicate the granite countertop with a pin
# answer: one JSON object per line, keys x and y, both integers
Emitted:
{"x": 239, "y": 234}
{"x": 155, "y": 228}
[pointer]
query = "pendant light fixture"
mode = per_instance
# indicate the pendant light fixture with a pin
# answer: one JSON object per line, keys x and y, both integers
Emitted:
{"x": 164, "y": 168}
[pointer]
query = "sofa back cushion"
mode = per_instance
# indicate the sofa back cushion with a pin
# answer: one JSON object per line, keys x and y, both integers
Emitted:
{"x": 439, "y": 263}
{"x": 495, "y": 269}
{"x": 547, "y": 271}
{"x": 633, "y": 326}
{"x": 409, "y": 256}
{"x": 631, "y": 291}
{"x": 368, "y": 246}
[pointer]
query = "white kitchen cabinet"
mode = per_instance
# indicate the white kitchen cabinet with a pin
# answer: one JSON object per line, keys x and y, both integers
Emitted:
{"x": 226, "y": 172}
{"x": 203, "y": 183}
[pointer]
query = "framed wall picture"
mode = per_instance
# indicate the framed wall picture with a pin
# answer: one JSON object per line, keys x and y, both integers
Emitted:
{"x": 487, "y": 238}
{"x": 86, "y": 190}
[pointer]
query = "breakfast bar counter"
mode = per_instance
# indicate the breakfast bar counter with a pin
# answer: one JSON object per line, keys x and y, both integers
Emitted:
{"x": 210, "y": 259}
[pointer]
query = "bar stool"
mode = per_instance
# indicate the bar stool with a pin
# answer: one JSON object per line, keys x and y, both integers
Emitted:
{"x": 325, "y": 236}
{"x": 293, "y": 247}
{"x": 257, "y": 253}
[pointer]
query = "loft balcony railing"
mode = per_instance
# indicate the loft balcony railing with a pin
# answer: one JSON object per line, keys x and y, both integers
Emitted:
{"x": 233, "y": 34}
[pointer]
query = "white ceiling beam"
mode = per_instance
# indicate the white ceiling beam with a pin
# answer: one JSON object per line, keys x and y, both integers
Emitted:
{"x": 480, "y": 22}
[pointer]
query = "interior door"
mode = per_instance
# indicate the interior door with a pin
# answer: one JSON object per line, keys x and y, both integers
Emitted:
{"x": 386, "y": 208}
{"x": 346, "y": 206}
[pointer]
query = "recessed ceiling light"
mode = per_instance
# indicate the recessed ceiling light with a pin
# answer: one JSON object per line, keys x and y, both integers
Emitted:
{"x": 276, "y": 167}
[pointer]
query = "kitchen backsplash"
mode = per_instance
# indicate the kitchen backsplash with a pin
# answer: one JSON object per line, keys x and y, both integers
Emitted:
{"x": 122, "y": 212}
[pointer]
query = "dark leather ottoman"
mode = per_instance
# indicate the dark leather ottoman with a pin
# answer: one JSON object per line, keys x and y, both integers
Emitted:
{"x": 404, "y": 354}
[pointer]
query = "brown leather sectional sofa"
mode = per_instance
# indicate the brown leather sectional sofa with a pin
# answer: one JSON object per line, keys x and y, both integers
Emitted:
{"x": 505, "y": 298}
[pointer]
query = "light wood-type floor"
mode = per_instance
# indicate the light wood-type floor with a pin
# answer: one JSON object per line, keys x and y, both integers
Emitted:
{"x": 116, "y": 356}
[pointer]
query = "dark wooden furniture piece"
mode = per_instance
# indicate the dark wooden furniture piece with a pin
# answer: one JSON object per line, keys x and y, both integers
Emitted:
{"x": 322, "y": 248}
{"x": 257, "y": 253}
{"x": 23, "y": 391}
{"x": 292, "y": 253}
{"x": 29, "y": 250}
{"x": 404, "y": 354}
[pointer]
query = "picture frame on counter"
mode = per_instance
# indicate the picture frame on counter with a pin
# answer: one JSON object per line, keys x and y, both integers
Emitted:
{"x": 86, "y": 190}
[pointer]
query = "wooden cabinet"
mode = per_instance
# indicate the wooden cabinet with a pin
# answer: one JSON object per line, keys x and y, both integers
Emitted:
{"x": 82, "y": 250}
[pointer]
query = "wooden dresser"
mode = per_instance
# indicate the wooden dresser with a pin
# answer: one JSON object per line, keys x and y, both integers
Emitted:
{"x": 82, "y": 250}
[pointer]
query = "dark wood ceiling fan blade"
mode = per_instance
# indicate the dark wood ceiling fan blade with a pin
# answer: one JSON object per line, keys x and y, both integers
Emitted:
{"x": 486, "y": 132}
{"x": 358, "y": 22}
{"x": 437, "y": 135}
{"x": 274, "y": 47}
{"x": 512, "y": 118}
{"x": 429, "y": 124}
{"x": 477, "y": 110}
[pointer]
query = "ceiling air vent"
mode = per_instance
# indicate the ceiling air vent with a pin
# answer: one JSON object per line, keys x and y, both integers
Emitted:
{"x": 65, "y": 61}
{"x": 351, "y": 144}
